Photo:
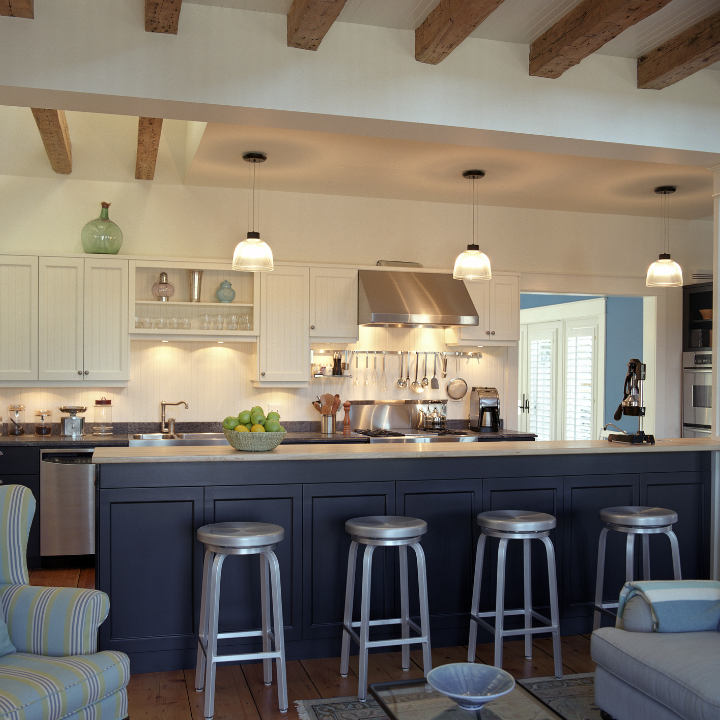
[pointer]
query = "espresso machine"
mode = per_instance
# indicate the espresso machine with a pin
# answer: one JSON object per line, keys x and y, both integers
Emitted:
{"x": 632, "y": 405}
{"x": 484, "y": 409}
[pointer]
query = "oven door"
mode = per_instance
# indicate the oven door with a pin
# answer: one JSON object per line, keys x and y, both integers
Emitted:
{"x": 697, "y": 393}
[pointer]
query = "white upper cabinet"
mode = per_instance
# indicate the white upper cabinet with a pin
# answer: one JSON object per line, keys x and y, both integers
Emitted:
{"x": 284, "y": 342}
{"x": 497, "y": 302}
{"x": 18, "y": 317}
{"x": 83, "y": 319}
{"x": 333, "y": 305}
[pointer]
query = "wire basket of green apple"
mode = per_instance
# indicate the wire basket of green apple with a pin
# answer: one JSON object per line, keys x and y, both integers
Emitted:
{"x": 253, "y": 431}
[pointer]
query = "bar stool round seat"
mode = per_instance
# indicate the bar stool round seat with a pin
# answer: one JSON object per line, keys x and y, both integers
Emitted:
{"x": 384, "y": 531}
{"x": 638, "y": 516}
{"x": 240, "y": 538}
{"x": 240, "y": 534}
{"x": 632, "y": 520}
{"x": 516, "y": 521}
{"x": 386, "y": 527}
{"x": 521, "y": 525}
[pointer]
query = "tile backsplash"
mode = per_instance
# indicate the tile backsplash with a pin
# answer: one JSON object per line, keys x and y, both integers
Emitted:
{"x": 215, "y": 380}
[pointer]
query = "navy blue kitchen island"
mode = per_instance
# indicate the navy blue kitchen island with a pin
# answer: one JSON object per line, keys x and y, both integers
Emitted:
{"x": 152, "y": 500}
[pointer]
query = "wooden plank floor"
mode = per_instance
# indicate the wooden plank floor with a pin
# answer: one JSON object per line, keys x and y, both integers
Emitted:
{"x": 240, "y": 693}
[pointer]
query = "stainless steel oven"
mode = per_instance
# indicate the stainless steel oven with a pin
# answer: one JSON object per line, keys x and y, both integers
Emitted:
{"x": 697, "y": 393}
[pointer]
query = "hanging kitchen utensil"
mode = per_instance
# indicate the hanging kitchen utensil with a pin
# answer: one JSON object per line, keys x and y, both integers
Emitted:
{"x": 383, "y": 377}
{"x": 457, "y": 388}
{"x": 357, "y": 372}
{"x": 375, "y": 375}
{"x": 417, "y": 385}
{"x": 425, "y": 381}
{"x": 401, "y": 380}
{"x": 443, "y": 360}
{"x": 434, "y": 384}
{"x": 367, "y": 371}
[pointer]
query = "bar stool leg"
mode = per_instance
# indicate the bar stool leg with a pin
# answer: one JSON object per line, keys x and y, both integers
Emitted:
{"x": 424, "y": 613}
{"x": 554, "y": 613}
{"x": 600, "y": 577}
{"x": 646, "y": 557}
{"x": 364, "y": 623}
{"x": 404, "y": 605}
{"x": 213, "y": 612}
{"x": 527, "y": 595}
{"x": 203, "y": 627}
{"x": 347, "y": 615}
{"x": 629, "y": 557}
{"x": 500, "y": 602}
{"x": 675, "y": 554}
{"x": 475, "y": 606}
{"x": 279, "y": 629}
{"x": 265, "y": 609}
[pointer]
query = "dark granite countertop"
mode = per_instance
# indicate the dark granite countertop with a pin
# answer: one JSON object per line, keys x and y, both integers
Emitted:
{"x": 63, "y": 441}
{"x": 317, "y": 438}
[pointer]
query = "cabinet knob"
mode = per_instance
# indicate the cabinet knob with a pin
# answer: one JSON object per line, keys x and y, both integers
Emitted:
{"x": 87, "y": 372}
{"x": 312, "y": 327}
{"x": 487, "y": 332}
{"x": 263, "y": 374}
{"x": 492, "y": 333}
{"x": 79, "y": 372}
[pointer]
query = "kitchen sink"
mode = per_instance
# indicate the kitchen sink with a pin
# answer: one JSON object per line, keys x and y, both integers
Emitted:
{"x": 165, "y": 439}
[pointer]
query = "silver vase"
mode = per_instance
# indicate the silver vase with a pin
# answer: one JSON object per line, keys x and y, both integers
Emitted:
{"x": 195, "y": 277}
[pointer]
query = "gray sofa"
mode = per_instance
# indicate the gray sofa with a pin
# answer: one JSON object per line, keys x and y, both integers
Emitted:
{"x": 646, "y": 675}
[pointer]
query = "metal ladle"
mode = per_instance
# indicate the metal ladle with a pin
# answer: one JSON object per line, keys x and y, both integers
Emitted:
{"x": 417, "y": 386}
{"x": 383, "y": 377}
{"x": 401, "y": 382}
{"x": 425, "y": 381}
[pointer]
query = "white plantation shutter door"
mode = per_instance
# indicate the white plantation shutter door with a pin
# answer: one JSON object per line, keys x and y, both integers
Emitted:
{"x": 540, "y": 376}
{"x": 580, "y": 351}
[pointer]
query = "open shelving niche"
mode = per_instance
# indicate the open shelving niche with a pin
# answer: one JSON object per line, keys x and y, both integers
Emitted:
{"x": 144, "y": 274}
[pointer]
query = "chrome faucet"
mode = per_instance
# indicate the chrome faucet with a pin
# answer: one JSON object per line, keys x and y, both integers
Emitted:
{"x": 163, "y": 424}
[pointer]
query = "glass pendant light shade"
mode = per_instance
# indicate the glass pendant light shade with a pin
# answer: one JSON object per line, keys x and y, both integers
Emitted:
{"x": 664, "y": 272}
{"x": 472, "y": 265}
{"x": 253, "y": 255}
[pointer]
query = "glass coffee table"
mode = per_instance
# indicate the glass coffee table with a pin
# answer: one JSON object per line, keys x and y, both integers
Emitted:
{"x": 416, "y": 700}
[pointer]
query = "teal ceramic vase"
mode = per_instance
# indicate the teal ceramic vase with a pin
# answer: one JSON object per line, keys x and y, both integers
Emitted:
{"x": 225, "y": 293}
{"x": 102, "y": 235}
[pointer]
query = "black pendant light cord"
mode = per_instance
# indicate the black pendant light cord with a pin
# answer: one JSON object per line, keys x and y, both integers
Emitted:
{"x": 665, "y": 191}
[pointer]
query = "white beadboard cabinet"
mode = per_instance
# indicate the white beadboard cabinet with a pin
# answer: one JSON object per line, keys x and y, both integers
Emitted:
{"x": 83, "y": 319}
{"x": 18, "y": 318}
{"x": 497, "y": 302}
{"x": 283, "y": 358}
{"x": 333, "y": 305}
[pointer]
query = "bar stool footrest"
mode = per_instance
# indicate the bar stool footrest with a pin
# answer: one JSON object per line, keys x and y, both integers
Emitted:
{"x": 547, "y": 627}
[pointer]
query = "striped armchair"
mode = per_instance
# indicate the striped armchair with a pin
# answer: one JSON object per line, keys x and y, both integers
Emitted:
{"x": 57, "y": 672}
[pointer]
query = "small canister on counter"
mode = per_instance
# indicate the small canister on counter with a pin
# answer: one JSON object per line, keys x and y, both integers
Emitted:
{"x": 15, "y": 424}
{"x": 103, "y": 417}
{"x": 43, "y": 422}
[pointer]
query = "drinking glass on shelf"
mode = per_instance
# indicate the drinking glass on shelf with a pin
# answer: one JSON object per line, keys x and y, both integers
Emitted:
{"x": 147, "y": 323}
{"x": 245, "y": 322}
{"x": 204, "y": 322}
{"x": 232, "y": 322}
{"x": 217, "y": 322}
{"x": 160, "y": 324}
{"x": 172, "y": 323}
{"x": 185, "y": 323}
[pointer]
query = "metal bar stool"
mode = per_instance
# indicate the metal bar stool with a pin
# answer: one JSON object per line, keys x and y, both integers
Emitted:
{"x": 515, "y": 525}
{"x": 633, "y": 520}
{"x": 385, "y": 531}
{"x": 240, "y": 538}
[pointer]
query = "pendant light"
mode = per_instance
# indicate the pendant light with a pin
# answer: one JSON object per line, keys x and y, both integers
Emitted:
{"x": 253, "y": 255}
{"x": 664, "y": 272}
{"x": 472, "y": 264}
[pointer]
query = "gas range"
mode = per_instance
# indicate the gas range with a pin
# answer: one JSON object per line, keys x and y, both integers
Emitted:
{"x": 413, "y": 435}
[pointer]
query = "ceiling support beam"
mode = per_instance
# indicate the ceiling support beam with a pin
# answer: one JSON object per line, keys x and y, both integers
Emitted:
{"x": 56, "y": 138}
{"x": 309, "y": 20}
{"x": 162, "y": 16}
{"x": 585, "y": 29}
{"x": 448, "y": 25}
{"x": 681, "y": 56}
{"x": 149, "y": 130}
{"x": 18, "y": 8}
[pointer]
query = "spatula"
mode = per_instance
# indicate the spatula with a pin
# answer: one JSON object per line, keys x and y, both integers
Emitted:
{"x": 435, "y": 383}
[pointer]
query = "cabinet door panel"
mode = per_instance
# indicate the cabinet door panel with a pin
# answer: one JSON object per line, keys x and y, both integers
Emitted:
{"x": 333, "y": 304}
{"x": 326, "y": 509}
{"x": 61, "y": 318}
{"x": 106, "y": 320}
{"x": 688, "y": 494}
{"x": 240, "y": 596}
{"x": 19, "y": 318}
{"x": 504, "y": 308}
{"x": 480, "y": 295}
{"x": 449, "y": 544}
{"x": 150, "y": 564}
{"x": 585, "y": 497}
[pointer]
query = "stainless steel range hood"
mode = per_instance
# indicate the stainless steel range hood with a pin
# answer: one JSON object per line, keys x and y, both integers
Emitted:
{"x": 413, "y": 299}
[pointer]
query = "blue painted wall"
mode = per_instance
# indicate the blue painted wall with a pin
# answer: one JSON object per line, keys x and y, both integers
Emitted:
{"x": 623, "y": 341}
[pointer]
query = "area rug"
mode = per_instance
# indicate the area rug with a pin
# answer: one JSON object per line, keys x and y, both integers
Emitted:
{"x": 573, "y": 697}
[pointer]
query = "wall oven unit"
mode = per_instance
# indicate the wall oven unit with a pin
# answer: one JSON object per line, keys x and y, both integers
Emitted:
{"x": 697, "y": 394}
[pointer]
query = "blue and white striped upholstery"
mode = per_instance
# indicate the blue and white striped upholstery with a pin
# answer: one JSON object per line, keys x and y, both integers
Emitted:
{"x": 57, "y": 671}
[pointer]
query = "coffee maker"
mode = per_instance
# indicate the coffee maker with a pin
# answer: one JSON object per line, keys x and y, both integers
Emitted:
{"x": 484, "y": 409}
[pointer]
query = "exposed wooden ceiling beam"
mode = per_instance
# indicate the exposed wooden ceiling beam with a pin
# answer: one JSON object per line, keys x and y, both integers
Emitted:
{"x": 681, "y": 56}
{"x": 309, "y": 20}
{"x": 448, "y": 25}
{"x": 56, "y": 138}
{"x": 585, "y": 29}
{"x": 149, "y": 130}
{"x": 162, "y": 16}
{"x": 18, "y": 8}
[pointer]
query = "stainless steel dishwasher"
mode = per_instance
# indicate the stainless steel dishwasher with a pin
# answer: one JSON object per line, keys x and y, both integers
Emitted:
{"x": 67, "y": 502}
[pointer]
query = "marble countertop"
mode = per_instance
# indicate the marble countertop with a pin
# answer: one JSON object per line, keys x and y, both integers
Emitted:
{"x": 390, "y": 450}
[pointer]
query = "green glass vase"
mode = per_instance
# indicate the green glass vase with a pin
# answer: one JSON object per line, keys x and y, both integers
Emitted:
{"x": 102, "y": 235}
